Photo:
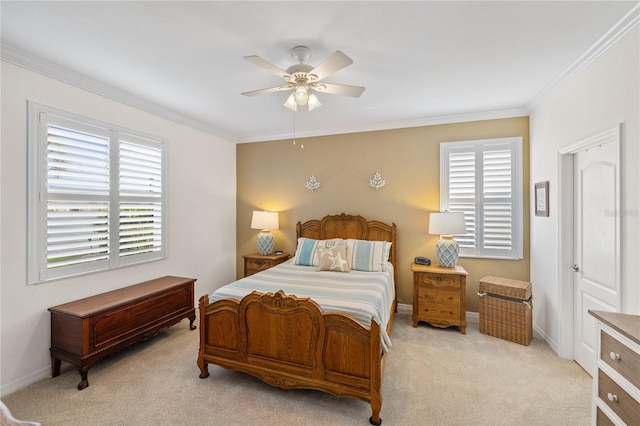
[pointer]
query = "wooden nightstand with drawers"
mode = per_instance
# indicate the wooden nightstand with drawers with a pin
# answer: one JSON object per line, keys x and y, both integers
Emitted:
{"x": 255, "y": 262}
{"x": 439, "y": 296}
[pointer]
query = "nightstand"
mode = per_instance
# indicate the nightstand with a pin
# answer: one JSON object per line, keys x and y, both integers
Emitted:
{"x": 439, "y": 296}
{"x": 255, "y": 262}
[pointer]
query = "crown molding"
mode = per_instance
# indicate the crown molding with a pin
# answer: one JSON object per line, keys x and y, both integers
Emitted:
{"x": 624, "y": 26}
{"x": 42, "y": 66}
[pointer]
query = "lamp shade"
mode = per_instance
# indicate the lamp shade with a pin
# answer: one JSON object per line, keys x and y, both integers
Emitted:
{"x": 301, "y": 95}
{"x": 291, "y": 103}
{"x": 264, "y": 220}
{"x": 447, "y": 223}
{"x": 313, "y": 102}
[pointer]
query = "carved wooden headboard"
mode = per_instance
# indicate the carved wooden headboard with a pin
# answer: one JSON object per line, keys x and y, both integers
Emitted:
{"x": 348, "y": 226}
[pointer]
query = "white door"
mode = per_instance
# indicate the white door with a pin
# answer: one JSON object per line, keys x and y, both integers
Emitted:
{"x": 597, "y": 244}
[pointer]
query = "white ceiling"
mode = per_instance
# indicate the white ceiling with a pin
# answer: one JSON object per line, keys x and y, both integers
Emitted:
{"x": 421, "y": 62}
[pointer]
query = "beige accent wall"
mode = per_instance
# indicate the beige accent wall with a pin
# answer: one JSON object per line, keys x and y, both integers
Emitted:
{"x": 272, "y": 176}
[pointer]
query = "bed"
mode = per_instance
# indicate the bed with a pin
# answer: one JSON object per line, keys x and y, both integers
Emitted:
{"x": 292, "y": 342}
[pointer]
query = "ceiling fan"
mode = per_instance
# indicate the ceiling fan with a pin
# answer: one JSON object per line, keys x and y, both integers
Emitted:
{"x": 304, "y": 79}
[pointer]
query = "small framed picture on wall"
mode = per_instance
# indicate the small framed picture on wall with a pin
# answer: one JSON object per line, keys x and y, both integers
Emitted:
{"x": 542, "y": 198}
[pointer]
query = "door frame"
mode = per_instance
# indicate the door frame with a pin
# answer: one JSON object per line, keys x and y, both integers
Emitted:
{"x": 566, "y": 284}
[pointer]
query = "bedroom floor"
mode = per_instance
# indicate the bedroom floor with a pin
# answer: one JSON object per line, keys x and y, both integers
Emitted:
{"x": 433, "y": 377}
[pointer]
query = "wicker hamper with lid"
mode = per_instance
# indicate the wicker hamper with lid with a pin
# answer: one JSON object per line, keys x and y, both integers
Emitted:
{"x": 506, "y": 307}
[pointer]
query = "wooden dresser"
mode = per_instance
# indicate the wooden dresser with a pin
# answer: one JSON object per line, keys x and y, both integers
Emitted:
{"x": 616, "y": 387}
{"x": 86, "y": 330}
{"x": 439, "y": 296}
{"x": 257, "y": 262}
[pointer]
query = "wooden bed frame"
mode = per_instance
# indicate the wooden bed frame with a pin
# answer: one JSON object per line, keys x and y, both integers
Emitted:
{"x": 288, "y": 342}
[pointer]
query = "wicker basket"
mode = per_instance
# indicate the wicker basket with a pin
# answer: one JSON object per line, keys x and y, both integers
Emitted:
{"x": 506, "y": 307}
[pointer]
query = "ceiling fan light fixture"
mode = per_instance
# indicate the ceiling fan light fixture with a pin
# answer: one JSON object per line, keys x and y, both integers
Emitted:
{"x": 301, "y": 95}
{"x": 313, "y": 102}
{"x": 291, "y": 103}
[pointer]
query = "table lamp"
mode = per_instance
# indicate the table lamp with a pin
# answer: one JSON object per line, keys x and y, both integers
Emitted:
{"x": 266, "y": 221}
{"x": 446, "y": 224}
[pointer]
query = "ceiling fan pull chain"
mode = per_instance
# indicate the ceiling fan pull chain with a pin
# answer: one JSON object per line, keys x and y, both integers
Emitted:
{"x": 294, "y": 128}
{"x": 302, "y": 127}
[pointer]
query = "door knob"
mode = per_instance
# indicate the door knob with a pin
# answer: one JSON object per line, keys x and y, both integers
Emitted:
{"x": 575, "y": 268}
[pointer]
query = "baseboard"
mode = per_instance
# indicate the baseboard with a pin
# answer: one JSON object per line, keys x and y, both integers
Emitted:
{"x": 403, "y": 308}
{"x": 24, "y": 381}
{"x": 552, "y": 343}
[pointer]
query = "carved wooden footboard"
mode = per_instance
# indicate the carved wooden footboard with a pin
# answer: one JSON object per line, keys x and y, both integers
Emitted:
{"x": 288, "y": 342}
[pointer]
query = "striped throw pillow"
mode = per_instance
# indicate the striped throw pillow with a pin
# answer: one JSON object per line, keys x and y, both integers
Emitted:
{"x": 368, "y": 256}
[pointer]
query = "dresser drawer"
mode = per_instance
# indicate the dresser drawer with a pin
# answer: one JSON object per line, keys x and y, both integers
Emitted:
{"x": 625, "y": 406}
{"x": 442, "y": 281}
{"x": 449, "y": 299}
{"x": 602, "y": 419}
{"x": 621, "y": 358}
{"x": 439, "y": 304}
{"x": 256, "y": 265}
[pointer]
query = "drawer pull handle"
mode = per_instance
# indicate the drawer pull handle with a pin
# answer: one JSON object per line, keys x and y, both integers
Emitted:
{"x": 614, "y": 356}
{"x": 612, "y": 397}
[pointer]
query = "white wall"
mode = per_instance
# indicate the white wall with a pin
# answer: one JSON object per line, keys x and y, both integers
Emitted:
{"x": 202, "y": 195}
{"x": 605, "y": 94}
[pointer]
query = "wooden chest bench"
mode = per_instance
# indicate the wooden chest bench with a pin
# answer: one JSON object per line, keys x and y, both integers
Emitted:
{"x": 86, "y": 330}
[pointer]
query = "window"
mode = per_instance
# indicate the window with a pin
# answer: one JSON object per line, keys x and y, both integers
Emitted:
{"x": 97, "y": 195}
{"x": 483, "y": 179}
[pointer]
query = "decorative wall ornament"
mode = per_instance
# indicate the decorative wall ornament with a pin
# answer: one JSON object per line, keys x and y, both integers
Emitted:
{"x": 376, "y": 181}
{"x": 313, "y": 183}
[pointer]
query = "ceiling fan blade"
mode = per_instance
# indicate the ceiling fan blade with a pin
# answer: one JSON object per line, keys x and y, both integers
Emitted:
{"x": 265, "y": 91}
{"x": 340, "y": 89}
{"x": 266, "y": 65}
{"x": 333, "y": 63}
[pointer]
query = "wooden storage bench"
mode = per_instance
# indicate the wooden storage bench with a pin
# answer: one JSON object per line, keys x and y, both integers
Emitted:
{"x": 86, "y": 330}
{"x": 505, "y": 307}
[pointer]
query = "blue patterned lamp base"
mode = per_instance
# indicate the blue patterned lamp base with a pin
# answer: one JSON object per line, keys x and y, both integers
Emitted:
{"x": 447, "y": 250}
{"x": 265, "y": 243}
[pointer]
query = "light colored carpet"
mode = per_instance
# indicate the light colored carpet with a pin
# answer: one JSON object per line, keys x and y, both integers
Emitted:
{"x": 433, "y": 377}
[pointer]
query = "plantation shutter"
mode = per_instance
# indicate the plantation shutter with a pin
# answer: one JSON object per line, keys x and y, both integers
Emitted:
{"x": 482, "y": 179}
{"x": 462, "y": 193}
{"x": 498, "y": 202}
{"x": 140, "y": 188}
{"x": 77, "y": 195}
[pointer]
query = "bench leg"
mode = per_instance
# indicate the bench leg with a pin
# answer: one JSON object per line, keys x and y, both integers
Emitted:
{"x": 55, "y": 367}
{"x": 84, "y": 382}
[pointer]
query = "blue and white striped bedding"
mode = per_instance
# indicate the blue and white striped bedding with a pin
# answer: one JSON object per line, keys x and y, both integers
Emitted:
{"x": 361, "y": 295}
